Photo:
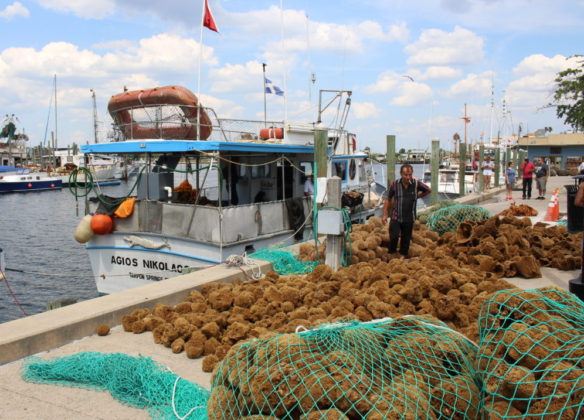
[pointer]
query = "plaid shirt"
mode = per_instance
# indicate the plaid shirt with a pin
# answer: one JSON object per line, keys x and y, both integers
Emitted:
{"x": 403, "y": 208}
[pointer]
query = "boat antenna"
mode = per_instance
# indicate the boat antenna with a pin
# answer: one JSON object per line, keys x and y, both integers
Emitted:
{"x": 284, "y": 67}
{"x": 265, "y": 106}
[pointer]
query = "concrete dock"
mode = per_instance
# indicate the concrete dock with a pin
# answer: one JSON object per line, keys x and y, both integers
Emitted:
{"x": 71, "y": 330}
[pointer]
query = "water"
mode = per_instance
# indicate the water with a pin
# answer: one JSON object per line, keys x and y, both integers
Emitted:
{"x": 36, "y": 234}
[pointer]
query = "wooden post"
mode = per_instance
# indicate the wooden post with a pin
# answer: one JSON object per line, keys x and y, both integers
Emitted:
{"x": 462, "y": 170}
{"x": 480, "y": 168}
{"x": 435, "y": 171}
{"x": 320, "y": 154}
{"x": 390, "y": 159}
{"x": 497, "y": 166}
{"x": 334, "y": 243}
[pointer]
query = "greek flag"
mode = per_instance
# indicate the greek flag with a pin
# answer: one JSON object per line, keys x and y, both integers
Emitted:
{"x": 272, "y": 88}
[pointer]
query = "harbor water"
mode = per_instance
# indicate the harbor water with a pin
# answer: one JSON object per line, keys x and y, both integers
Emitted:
{"x": 43, "y": 262}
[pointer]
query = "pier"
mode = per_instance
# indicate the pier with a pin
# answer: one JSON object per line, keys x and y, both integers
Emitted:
{"x": 71, "y": 329}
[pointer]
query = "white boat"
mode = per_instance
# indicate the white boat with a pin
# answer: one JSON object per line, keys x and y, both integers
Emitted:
{"x": 448, "y": 181}
{"x": 248, "y": 178}
{"x": 101, "y": 168}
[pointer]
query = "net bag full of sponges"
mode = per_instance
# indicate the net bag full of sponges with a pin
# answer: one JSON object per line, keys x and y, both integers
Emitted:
{"x": 531, "y": 355}
{"x": 448, "y": 218}
{"x": 412, "y": 367}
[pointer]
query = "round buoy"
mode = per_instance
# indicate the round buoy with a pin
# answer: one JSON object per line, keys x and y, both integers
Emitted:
{"x": 101, "y": 224}
{"x": 52, "y": 185}
{"x": 29, "y": 185}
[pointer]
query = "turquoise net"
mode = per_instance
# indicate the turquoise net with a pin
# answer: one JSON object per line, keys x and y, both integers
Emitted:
{"x": 531, "y": 355}
{"x": 448, "y": 218}
{"x": 414, "y": 366}
{"x": 283, "y": 262}
{"x": 135, "y": 381}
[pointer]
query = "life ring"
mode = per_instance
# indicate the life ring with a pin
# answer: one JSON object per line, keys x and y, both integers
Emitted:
{"x": 271, "y": 133}
{"x": 122, "y": 106}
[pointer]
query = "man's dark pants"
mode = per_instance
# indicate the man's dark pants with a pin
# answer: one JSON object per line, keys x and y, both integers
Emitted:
{"x": 395, "y": 230}
{"x": 527, "y": 187}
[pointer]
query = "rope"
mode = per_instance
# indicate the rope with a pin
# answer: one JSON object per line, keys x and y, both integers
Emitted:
{"x": 40, "y": 273}
{"x": 240, "y": 261}
{"x": 178, "y": 416}
{"x": 3, "y": 277}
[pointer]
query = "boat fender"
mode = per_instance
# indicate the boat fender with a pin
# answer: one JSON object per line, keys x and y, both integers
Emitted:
{"x": 83, "y": 232}
{"x": 101, "y": 224}
{"x": 146, "y": 243}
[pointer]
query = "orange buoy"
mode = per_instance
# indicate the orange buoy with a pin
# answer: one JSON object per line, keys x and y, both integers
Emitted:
{"x": 271, "y": 133}
{"x": 101, "y": 224}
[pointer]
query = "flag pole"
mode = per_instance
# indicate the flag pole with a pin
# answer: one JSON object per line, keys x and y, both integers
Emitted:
{"x": 265, "y": 107}
{"x": 204, "y": 4}
{"x": 282, "y": 44}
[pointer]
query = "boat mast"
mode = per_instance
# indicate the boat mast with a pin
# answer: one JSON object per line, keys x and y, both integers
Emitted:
{"x": 94, "y": 116}
{"x": 55, "y": 145}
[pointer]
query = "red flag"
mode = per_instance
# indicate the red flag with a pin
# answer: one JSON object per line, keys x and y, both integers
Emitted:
{"x": 208, "y": 20}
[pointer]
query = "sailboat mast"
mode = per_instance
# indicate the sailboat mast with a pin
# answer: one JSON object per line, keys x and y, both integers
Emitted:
{"x": 94, "y": 116}
{"x": 56, "y": 135}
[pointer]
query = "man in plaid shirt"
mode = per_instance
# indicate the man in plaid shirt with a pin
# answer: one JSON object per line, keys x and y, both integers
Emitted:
{"x": 402, "y": 196}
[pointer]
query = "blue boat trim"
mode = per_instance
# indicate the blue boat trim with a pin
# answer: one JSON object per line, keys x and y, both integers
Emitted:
{"x": 138, "y": 248}
{"x": 161, "y": 146}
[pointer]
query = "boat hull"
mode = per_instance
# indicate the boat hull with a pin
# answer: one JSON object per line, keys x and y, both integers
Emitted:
{"x": 27, "y": 186}
{"x": 117, "y": 265}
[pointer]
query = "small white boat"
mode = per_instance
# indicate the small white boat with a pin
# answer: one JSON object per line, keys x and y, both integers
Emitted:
{"x": 448, "y": 181}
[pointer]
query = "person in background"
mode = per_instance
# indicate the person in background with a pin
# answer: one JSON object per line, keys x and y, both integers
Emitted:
{"x": 487, "y": 168}
{"x": 308, "y": 185}
{"x": 542, "y": 173}
{"x": 400, "y": 205}
{"x": 510, "y": 177}
{"x": 579, "y": 200}
{"x": 581, "y": 168}
{"x": 528, "y": 169}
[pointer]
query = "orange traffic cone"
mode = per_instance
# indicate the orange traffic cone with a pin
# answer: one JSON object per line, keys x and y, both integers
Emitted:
{"x": 553, "y": 211}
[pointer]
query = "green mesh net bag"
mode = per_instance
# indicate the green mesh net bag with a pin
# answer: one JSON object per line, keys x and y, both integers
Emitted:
{"x": 412, "y": 367}
{"x": 531, "y": 355}
{"x": 448, "y": 218}
{"x": 135, "y": 381}
{"x": 284, "y": 263}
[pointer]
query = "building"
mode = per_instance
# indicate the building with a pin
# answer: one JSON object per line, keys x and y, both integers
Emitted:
{"x": 563, "y": 151}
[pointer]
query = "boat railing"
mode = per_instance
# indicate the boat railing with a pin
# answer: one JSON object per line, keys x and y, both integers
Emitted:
{"x": 170, "y": 122}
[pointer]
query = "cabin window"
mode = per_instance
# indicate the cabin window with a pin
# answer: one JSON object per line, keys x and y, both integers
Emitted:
{"x": 352, "y": 169}
{"x": 264, "y": 171}
{"x": 555, "y": 150}
{"x": 340, "y": 169}
{"x": 306, "y": 170}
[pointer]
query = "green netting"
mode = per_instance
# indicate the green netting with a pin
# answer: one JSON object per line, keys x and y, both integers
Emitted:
{"x": 448, "y": 218}
{"x": 424, "y": 214}
{"x": 412, "y": 367}
{"x": 284, "y": 263}
{"x": 531, "y": 355}
{"x": 135, "y": 381}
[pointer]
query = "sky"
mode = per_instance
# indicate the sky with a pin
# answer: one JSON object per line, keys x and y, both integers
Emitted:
{"x": 412, "y": 65}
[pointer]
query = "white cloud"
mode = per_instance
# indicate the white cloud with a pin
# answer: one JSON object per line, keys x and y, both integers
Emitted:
{"x": 90, "y": 9}
{"x": 435, "y": 73}
{"x": 473, "y": 85}
{"x": 437, "y": 47}
{"x": 365, "y": 110}
{"x": 535, "y": 84}
{"x": 13, "y": 10}
{"x": 412, "y": 93}
{"x": 322, "y": 36}
{"x": 238, "y": 77}
{"x": 386, "y": 82}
